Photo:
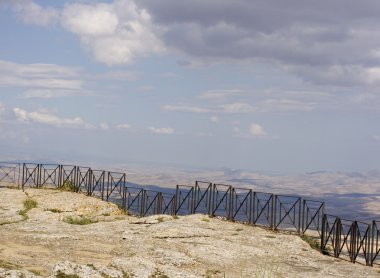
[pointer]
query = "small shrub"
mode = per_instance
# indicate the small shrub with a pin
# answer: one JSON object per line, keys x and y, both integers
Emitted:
{"x": 54, "y": 210}
{"x": 158, "y": 274}
{"x": 68, "y": 185}
{"x": 175, "y": 217}
{"x": 79, "y": 220}
{"x": 312, "y": 241}
{"x": 160, "y": 219}
{"x": 6, "y": 265}
{"x": 61, "y": 274}
{"x": 91, "y": 266}
{"x": 204, "y": 219}
{"x": 213, "y": 273}
{"x": 28, "y": 205}
{"x": 128, "y": 275}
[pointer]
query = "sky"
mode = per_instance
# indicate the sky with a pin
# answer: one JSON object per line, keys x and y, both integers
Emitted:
{"x": 276, "y": 86}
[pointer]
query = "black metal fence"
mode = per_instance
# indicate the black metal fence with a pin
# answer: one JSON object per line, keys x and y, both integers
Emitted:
{"x": 357, "y": 241}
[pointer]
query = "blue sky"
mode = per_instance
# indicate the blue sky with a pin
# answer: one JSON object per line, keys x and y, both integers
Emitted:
{"x": 259, "y": 85}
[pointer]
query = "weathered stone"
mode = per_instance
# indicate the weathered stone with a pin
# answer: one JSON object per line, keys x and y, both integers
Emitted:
{"x": 124, "y": 246}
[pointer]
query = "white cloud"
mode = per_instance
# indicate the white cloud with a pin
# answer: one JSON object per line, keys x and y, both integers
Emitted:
{"x": 162, "y": 130}
{"x": 237, "y": 107}
{"x": 2, "y": 108}
{"x": 376, "y": 137}
{"x": 236, "y": 129}
{"x": 118, "y": 75}
{"x": 49, "y": 93}
{"x": 32, "y": 13}
{"x": 184, "y": 108}
{"x": 90, "y": 20}
{"x": 104, "y": 126}
{"x": 47, "y": 76}
{"x": 214, "y": 119}
{"x": 285, "y": 105}
{"x": 123, "y": 126}
{"x": 257, "y": 131}
{"x": 44, "y": 117}
{"x": 220, "y": 94}
{"x": 115, "y": 33}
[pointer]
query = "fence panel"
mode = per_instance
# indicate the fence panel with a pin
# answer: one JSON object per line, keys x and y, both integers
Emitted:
{"x": 49, "y": 175}
{"x": 184, "y": 200}
{"x": 30, "y": 174}
{"x": 68, "y": 177}
{"x": 222, "y": 203}
{"x": 202, "y": 196}
{"x": 375, "y": 244}
{"x": 242, "y": 205}
{"x": 97, "y": 183}
{"x": 10, "y": 173}
{"x": 134, "y": 200}
{"x": 263, "y": 204}
{"x": 287, "y": 213}
{"x": 312, "y": 212}
{"x": 116, "y": 188}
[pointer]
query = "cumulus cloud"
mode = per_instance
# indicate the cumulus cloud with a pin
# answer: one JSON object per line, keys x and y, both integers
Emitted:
{"x": 44, "y": 117}
{"x": 161, "y": 130}
{"x": 90, "y": 20}
{"x": 327, "y": 39}
{"x": 123, "y": 126}
{"x": 31, "y": 13}
{"x": 257, "y": 131}
{"x": 104, "y": 126}
{"x": 115, "y": 33}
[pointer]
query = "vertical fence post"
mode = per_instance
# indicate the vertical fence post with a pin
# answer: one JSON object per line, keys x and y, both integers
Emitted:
{"x": 352, "y": 250}
{"x": 304, "y": 215}
{"x": 273, "y": 211}
{"x": 338, "y": 235}
{"x": 212, "y": 195}
{"x": 372, "y": 243}
{"x": 323, "y": 233}
{"x": 231, "y": 203}
{"x": 250, "y": 207}
{"x": 299, "y": 215}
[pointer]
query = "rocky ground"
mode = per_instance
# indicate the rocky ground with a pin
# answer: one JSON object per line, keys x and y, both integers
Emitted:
{"x": 42, "y": 238}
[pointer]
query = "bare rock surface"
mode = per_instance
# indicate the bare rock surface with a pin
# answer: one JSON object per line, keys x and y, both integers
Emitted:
{"x": 43, "y": 244}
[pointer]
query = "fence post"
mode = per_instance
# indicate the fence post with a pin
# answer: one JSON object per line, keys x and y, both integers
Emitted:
{"x": 371, "y": 243}
{"x": 212, "y": 196}
{"x": 354, "y": 229}
{"x": 272, "y": 215}
{"x": 338, "y": 231}
{"x": 142, "y": 208}
{"x": 177, "y": 201}
{"x": 231, "y": 204}
{"x": 323, "y": 233}
{"x": 299, "y": 215}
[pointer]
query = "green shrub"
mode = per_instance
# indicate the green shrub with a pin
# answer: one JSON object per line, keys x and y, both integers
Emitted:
{"x": 158, "y": 274}
{"x": 68, "y": 185}
{"x": 61, "y": 274}
{"x": 28, "y": 205}
{"x": 312, "y": 241}
{"x": 79, "y": 220}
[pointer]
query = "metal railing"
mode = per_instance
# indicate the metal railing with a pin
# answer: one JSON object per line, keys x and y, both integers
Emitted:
{"x": 355, "y": 240}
